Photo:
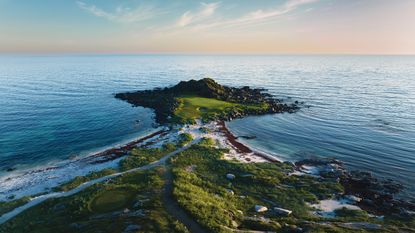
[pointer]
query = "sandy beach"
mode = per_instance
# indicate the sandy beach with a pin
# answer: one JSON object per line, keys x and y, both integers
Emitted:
{"x": 43, "y": 179}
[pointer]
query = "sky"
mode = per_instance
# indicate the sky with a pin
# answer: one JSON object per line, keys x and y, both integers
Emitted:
{"x": 191, "y": 26}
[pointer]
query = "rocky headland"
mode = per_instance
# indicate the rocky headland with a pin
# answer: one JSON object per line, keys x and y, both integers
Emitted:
{"x": 165, "y": 101}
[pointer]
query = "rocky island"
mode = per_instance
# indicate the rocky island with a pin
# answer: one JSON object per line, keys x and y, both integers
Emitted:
{"x": 195, "y": 176}
{"x": 207, "y": 100}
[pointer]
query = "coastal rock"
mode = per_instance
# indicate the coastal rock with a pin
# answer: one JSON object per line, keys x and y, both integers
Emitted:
{"x": 230, "y": 176}
{"x": 230, "y": 191}
{"x": 234, "y": 224}
{"x": 282, "y": 212}
{"x": 260, "y": 208}
{"x": 370, "y": 193}
{"x": 248, "y": 137}
{"x": 361, "y": 225}
{"x": 10, "y": 169}
{"x": 353, "y": 198}
{"x": 292, "y": 228}
{"x": 326, "y": 168}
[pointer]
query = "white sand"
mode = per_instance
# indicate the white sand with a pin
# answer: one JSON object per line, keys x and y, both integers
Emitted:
{"x": 327, "y": 207}
{"x": 32, "y": 182}
{"x": 221, "y": 141}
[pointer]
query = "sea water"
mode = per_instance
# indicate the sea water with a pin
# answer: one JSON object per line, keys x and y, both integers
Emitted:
{"x": 359, "y": 109}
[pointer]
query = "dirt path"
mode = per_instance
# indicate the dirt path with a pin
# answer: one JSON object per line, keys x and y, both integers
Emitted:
{"x": 174, "y": 209}
{"x": 37, "y": 200}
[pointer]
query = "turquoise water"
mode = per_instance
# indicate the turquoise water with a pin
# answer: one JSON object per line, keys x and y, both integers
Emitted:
{"x": 361, "y": 108}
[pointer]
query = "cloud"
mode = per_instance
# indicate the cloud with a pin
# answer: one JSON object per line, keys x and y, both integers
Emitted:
{"x": 206, "y": 10}
{"x": 120, "y": 14}
{"x": 284, "y": 9}
{"x": 258, "y": 15}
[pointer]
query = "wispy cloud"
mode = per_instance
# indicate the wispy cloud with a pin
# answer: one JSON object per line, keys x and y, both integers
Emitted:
{"x": 284, "y": 9}
{"x": 206, "y": 10}
{"x": 258, "y": 15}
{"x": 121, "y": 14}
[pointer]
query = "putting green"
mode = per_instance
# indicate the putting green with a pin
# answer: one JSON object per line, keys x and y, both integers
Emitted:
{"x": 111, "y": 200}
{"x": 193, "y": 107}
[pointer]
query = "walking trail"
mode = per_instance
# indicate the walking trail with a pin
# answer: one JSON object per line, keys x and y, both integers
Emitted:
{"x": 37, "y": 200}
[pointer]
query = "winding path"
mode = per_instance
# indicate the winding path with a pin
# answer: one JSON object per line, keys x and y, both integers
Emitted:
{"x": 175, "y": 210}
{"x": 37, "y": 200}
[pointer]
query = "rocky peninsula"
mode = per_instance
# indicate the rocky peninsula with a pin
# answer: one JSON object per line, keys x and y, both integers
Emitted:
{"x": 195, "y": 176}
{"x": 232, "y": 102}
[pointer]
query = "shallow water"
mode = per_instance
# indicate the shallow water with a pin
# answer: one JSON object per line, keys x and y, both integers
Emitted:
{"x": 361, "y": 107}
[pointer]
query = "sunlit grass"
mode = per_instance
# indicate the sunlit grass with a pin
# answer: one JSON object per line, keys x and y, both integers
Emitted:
{"x": 195, "y": 107}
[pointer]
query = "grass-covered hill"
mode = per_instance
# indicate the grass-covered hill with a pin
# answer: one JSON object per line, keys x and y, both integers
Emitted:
{"x": 205, "y": 99}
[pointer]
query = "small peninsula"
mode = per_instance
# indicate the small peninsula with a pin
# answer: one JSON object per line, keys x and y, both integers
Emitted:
{"x": 193, "y": 175}
{"x": 207, "y": 100}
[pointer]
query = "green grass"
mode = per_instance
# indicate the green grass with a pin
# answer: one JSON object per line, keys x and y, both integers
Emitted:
{"x": 142, "y": 156}
{"x": 352, "y": 215}
{"x": 92, "y": 209}
{"x": 10, "y": 205}
{"x": 184, "y": 139}
{"x": 194, "y": 107}
{"x": 202, "y": 192}
{"x": 111, "y": 200}
{"x": 82, "y": 179}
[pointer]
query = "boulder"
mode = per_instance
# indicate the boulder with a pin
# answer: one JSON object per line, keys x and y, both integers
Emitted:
{"x": 230, "y": 176}
{"x": 260, "y": 208}
{"x": 282, "y": 212}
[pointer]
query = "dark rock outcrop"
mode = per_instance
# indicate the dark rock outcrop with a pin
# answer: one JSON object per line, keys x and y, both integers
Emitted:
{"x": 378, "y": 196}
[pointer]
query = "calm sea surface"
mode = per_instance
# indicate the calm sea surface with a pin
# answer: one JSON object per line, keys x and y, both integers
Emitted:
{"x": 361, "y": 108}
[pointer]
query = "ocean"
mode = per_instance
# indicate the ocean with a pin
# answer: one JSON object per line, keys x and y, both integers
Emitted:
{"x": 359, "y": 109}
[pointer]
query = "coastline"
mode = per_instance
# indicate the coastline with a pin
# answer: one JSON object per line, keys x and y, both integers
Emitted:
{"x": 31, "y": 182}
{"x": 200, "y": 116}
{"x": 42, "y": 178}
{"x": 110, "y": 157}
{"x": 217, "y": 130}
{"x": 242, "y": 148}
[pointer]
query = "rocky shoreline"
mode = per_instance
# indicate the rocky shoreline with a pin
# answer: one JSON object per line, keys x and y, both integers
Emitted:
{"x": 241, "y": 148}
{"x": 373, "y": 195}
{"x": 164, "y": 100}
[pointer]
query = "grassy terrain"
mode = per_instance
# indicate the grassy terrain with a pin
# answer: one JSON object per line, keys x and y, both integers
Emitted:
{"x": 184, "y": 139}
{"x": 202, "y": 189}
{"x": 194, "y": 107}
{"x": 10, "y": 205}
{"x": 142, "y": 156}
{"x": 112, "y": 200}
{"x": 82, "y": 179}
{"x": 102, "y": 208}
{"x": 137, "y": 157}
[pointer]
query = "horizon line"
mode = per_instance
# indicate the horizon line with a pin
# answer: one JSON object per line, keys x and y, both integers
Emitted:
{"x": 195, "y": 54}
